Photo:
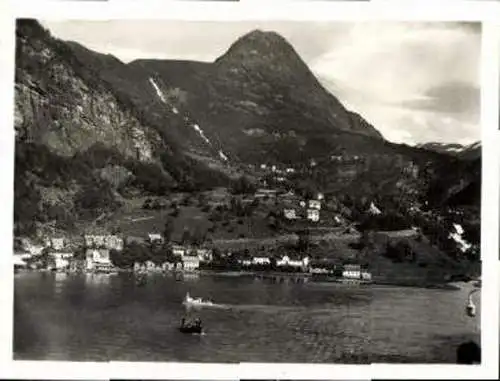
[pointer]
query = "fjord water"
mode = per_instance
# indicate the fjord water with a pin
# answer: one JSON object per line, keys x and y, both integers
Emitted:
{"x": 83, "y": 317}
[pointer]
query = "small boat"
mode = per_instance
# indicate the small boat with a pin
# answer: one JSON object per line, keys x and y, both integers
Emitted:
{"x": 192, "y": 327}
{"x": 188, "y": 300}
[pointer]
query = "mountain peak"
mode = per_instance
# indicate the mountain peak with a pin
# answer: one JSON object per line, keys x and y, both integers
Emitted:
{"x": 258, "y": 44}
{"x": 263, "y": 35}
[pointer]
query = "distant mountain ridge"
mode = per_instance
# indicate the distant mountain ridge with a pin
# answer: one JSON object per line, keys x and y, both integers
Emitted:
{"x": 468, "y": 152}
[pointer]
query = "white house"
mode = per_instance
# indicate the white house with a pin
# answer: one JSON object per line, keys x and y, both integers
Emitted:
{"x": 352, "y": 272}
{"x": 55, "y": 243}
{"x": 114, "y": 242}
{"x": 204, "y": 254}
{"x": 261, "y": 261}
{"x": 286, "y": 261}
{"x": 61, "y": 260}
{"x": 373, "y": 209}
{"x": 190, "y": 262}
{"x": 178, "y": 250}
{"x": 155, "y": 238}
{"x": 315, "y": 204}
{"x": 313, "y": 215}
{"x": 320, "y": 197}
{"x": 97, "y": 259}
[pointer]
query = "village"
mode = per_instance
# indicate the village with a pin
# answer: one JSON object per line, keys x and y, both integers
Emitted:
{"x": 262, "y": 227}
{"x": 158, "y": 251}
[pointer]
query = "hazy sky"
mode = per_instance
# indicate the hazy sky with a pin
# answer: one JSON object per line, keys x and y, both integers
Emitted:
{"x": 415, "y": 82}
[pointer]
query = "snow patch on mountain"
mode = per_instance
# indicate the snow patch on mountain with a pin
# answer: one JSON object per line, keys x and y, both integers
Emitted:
{"x": 223, "y": 156}
{"x": 196, "y": 127}
{"x": 158, "y": 90}
{"x": 202, "y": 134}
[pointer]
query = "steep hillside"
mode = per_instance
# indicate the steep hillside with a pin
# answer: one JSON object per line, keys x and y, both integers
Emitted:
{"x": 80, "y": 144}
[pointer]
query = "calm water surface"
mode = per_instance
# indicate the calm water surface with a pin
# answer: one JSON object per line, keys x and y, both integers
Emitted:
{"x": 113, "y": 317}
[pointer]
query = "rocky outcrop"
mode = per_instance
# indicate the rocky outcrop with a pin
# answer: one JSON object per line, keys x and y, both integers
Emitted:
{"x": 54, "y": 106}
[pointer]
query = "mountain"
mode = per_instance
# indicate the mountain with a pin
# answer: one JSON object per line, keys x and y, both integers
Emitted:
{"x": 466, "y": 152}
{"x": 93, "y": 132}
{"x": 81, "y": 143}
{"x": 260, "y": 94}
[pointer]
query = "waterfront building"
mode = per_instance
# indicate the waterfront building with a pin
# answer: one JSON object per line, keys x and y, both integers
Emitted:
{"x": 286, "y": 261}
{"x": 21, "y": 259}
{"x": 352, "y": 272}
{"x": 61, "y": 260}
{"x": 261, "y": 261}
{"x": 190, "y": 262}
{"x": 204, "y": 254}
{"x": 98, "y": 260}
{"x": 77, "y": 265}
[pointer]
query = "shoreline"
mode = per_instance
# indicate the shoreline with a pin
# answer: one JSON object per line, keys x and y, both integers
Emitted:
{"x": 451, "y": 286}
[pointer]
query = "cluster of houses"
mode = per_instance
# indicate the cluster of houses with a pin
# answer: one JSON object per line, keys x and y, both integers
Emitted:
{"x": 97, "y": 249}
{"x": 61, "y": 253}
{"x": 294, "y": 208}
{"x": 96, "y": 258}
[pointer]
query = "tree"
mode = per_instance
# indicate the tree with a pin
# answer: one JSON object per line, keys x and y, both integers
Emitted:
{"x": 243, "y": 185}
{"x": 216, "y": 254}
{"x": 199, "y": 236}
{"x": 131, "y": 253}
{"x": 304, "y": 240}
{"x": 186, "y": 236}
{"x": 168, "y": 229}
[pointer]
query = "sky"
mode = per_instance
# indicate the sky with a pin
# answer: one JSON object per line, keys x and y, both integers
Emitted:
{"x": 415, "y": 82}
